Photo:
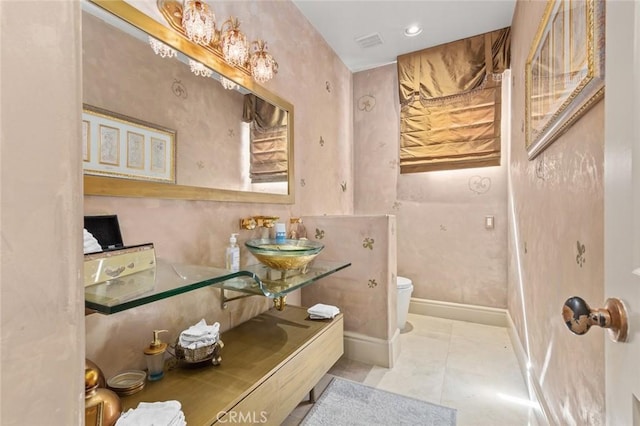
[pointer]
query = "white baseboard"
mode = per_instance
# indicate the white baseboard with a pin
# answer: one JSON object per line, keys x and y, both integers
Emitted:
{"x": 542, "y": 414}
{"x": 521, "y": 354}
{"x": 371, "y": 350}
{"x": 459, "y": 312}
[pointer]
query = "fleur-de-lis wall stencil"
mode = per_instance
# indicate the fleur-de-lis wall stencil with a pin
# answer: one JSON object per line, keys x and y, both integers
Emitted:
{"x": 479, "y": 184}
{"x": 368, "y": 243}
{"x": 327, "y": 86}
{"x": 179, "y": 90}
{"x": 366, "y": 103}
{"x": 443, "y": 228}
{"x": 200, "y": 164}
{"x": 373, "y": 283}
{"x": 231, "y": 133}
{"x": 542, "y": 170}
{"x": 319, "y": 234}
{"x": 396, "y": 205}
{"x": 580, "y": 259}
{"x": 343, "y": 185}
{"x": 321, "y": 142}
{"x": 303, "y": 182}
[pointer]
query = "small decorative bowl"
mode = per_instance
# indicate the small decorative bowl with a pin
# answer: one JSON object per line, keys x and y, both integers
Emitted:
{"x": 127, "y": 382}
{"x": 285, "y": 255}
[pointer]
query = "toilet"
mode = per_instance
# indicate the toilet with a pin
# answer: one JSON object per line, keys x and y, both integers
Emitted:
{"x": 405, "y": 288}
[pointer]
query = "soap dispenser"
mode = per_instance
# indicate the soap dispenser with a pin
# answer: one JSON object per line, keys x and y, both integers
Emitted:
{"x": 232, "y": 255}
{"x": 154, "y": 356}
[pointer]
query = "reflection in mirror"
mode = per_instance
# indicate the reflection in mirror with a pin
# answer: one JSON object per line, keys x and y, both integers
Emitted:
{"x": 229, "y": 144}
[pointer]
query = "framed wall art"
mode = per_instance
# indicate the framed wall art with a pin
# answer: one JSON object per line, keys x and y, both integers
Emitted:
{"x": 119, "y": 146}
{"x": 85, "y": 140}
{"x": 564, "y": 72}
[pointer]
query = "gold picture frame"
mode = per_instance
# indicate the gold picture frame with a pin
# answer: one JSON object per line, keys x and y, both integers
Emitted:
{"x": 564, "y": 72}
{"x": 86, "y": 137}
{"x": 125, "y": 147}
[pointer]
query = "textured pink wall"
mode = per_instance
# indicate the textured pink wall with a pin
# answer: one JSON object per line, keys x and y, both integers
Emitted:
{"x": 366, "y": 291}
{"x": 442, "y": 243}
{"x": 42, "y": 301}
{"x": 164, "y": 92}
{"x": 558, "y": 206}
{"x": 316, "y": 82}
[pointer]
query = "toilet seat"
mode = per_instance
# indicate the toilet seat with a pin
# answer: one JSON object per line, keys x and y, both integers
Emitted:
{"x": 403, "y": 283}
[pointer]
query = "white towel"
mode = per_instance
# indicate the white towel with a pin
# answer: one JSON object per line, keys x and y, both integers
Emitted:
{"x": 199, "y": 335}
{"x": 168, "y": 413}
{"x": 321, "y": 311}
{"x": 91, "y": 245}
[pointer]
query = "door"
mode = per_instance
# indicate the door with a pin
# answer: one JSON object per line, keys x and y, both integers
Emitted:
{"x": 622, "y": 205}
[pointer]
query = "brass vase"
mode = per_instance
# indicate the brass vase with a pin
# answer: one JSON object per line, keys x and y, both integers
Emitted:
{"x": 102, "y": 406}
{"x": 102, "y": 382}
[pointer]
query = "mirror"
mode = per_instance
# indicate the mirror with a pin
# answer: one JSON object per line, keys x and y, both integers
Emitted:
{"x": 153, "y": 128}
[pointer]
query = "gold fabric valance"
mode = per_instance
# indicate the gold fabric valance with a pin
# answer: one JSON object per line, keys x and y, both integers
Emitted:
{"x": 269, "y": 157}
{"x": 450, "y": 99}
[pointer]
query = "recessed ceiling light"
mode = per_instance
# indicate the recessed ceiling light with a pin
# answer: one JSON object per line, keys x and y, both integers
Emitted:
{"x": 412, "y": 30}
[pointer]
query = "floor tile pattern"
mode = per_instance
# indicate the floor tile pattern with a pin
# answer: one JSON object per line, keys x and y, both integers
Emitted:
{"x": 467, "y": 366}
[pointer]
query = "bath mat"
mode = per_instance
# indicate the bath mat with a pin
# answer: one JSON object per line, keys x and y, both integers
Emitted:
{"x": 344, "y": 402}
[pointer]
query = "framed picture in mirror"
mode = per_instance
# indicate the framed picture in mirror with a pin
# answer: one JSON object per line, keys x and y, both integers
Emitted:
{"x": 119, "y": 146}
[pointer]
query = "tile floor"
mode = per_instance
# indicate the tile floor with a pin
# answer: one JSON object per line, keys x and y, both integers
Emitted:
{"x": 463, "y": 365}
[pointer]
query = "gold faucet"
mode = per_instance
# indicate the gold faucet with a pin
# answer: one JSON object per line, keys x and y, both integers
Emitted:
{"x": 258, "y": 222}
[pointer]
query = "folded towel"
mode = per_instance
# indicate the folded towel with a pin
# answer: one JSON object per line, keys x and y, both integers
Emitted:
{"x": 199, "y": 335}
{"x": 321, "y": 311}
{"x": 91, "y": 245}
{"x": 168, "y": 413}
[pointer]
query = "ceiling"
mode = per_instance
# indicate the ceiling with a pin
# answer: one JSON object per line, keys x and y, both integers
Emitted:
{"x": 342, "y": 22}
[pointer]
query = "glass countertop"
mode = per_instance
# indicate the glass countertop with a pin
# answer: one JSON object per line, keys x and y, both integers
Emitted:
{"x": 169, "y": 279}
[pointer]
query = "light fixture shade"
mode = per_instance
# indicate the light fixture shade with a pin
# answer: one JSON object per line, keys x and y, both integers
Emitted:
{"x": 159, "y": 48}
{"x": 263, "y": 66}
{"x": 199, "y": 69}
{"x": 198, "y": 21}
{"x": 235, "y": 48}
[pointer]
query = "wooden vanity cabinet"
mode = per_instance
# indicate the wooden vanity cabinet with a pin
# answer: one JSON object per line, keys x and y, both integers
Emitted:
{"x": 269, "y": 364}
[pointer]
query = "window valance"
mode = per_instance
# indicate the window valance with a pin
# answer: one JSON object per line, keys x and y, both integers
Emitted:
{"x": 450, "y": 101}
{"x": 268, "y": 146}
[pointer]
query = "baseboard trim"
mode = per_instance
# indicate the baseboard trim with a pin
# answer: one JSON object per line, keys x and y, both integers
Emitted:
{"x": 542, "y": 414}
{"x": 521, "y": 354}
{"x": 371, "y": 350}
{"x": 458, "y": 311}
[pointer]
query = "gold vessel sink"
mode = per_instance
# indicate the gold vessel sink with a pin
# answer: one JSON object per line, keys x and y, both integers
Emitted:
{"x": 284, "y": 256}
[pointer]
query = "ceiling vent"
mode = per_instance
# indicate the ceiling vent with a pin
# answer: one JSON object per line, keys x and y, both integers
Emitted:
{"x": 369, "y": 40}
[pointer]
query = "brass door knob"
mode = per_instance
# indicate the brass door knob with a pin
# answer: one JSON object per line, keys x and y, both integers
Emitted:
{"x": 579, "y": 317}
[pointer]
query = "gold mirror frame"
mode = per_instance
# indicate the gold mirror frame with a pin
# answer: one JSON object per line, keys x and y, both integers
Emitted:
{"x": 108, "y": 186}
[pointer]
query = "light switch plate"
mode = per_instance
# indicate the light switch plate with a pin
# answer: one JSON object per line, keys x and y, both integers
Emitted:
{"x": 489, "y": 222}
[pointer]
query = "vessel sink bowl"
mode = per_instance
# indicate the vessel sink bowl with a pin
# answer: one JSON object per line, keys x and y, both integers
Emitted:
{"x": 284, "y": 256}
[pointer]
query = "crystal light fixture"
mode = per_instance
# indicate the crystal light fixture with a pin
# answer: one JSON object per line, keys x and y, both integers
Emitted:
{"x": 195, "y": 20}
{"x": 198, "y": 69}
{"x": 198, "y": 21}
{"x": 234, "y": 44}
{"x": 263, "y": 66}
{"x": 161, "y": 49}
{"x": 227, "y": 84}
